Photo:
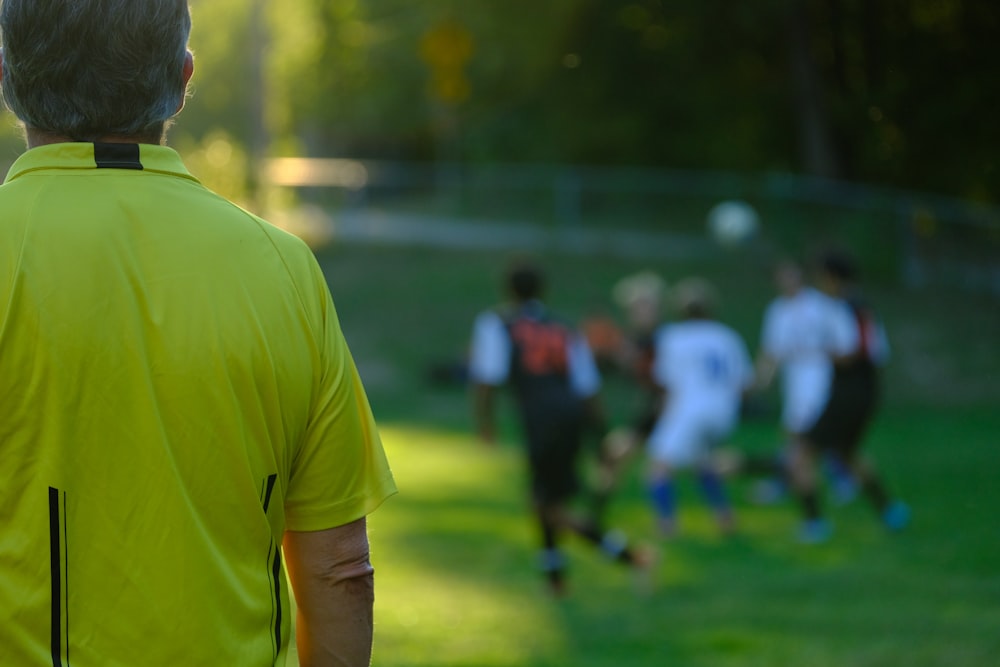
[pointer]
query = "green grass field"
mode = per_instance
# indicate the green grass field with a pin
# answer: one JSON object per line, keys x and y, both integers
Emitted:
{"x": 455, "y": 550}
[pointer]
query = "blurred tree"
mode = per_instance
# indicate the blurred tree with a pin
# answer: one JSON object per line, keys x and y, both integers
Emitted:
{"x": 896, "y": 92}
{"x": 223, "y": 87}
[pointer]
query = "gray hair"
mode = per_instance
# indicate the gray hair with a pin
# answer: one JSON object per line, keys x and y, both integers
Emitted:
{"x": 85, "y": 69}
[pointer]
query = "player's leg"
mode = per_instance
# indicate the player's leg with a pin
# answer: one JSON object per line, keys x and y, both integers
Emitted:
{"x": 715, "y": 425}
{"x": 769, "y": 472}
{"x": 713, "y": 490}
{"x": 562, "y": 484}
{"x": 841, "y": 479}
{"x": 617, "y": 448}
{"x": 854, "y": 424}
{"x": 545, "y": 479}
{"x": 803, "y": 466}
{"x": 893, "y": 513}
{"x": 671, "y": 445}
{"x": 552, "y": 560}
{"x": 812, "y": 424}
{"x": 663, "y": 494}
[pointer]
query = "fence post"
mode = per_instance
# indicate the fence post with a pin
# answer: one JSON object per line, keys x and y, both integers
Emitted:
{"x": 567, "y": 193}
{"x": 912, "y": 270}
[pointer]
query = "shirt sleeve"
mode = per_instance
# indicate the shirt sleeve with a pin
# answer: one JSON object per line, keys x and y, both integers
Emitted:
{"x": 584, "y": 377}
{"x": 844, "y": 336}
{"x": 661, "y": 364}
{"x": 340, "y": 472}
{"x": 489, "y": 355}
{"x": 744, "y": 363}
{"x": 880, "y": 349}
{"x": 770, "y": 335}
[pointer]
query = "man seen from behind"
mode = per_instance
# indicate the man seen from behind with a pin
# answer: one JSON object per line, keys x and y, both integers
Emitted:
{"x": 177, "y": 401}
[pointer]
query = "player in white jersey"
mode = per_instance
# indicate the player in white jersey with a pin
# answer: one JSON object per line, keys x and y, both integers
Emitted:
{"x": 854, "y": 396}
{"x": 802, "y": 329}
{"x": 704, "y": 369}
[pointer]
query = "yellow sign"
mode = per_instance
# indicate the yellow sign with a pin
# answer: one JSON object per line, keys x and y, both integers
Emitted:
{"x": 446, "y": 48}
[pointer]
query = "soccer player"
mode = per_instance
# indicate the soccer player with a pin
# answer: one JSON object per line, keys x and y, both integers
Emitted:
{"x": 854, "y": 396}
{"x": 640, "y": 296}
{"x": 177, "y": 401}
{"x": 704, "y": 368}
{"x": 803, "y": 331}
{"x": 805, "y": 377}
{"x": 556, "y": 385}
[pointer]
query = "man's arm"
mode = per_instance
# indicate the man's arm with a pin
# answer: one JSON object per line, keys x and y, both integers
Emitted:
{"x": 484, "y": 412}
{"x": 334, "y": 586}
{"x": 765, "y": 369}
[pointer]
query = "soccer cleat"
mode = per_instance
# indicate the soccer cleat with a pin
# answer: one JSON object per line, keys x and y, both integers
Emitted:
{"x": 896, "y": 516}
{"x": 552, "y": 563}
{"x": 845, "y": 490}
{"x": 815, "y": 531}
{"x": 613, "y": 544}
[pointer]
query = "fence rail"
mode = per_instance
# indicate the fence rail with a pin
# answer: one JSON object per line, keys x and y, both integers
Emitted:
{"x": 917, "y": 238}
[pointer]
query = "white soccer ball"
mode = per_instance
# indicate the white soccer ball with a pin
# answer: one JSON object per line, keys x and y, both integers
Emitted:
{"x": 732, "y": 222}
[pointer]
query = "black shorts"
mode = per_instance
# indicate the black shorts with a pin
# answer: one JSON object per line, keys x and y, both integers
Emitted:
{"x": 553, "y": 449}
{"x": 854, "y": 397}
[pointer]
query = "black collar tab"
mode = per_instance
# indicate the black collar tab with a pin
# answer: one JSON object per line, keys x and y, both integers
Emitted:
{"x": 117, "y": 156}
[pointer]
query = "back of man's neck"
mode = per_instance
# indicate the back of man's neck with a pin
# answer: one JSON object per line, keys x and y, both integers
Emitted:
{"x": 37, "y": 138}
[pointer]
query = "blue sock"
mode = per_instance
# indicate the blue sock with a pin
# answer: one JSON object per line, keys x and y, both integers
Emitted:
{"x": 664, "y": 498}
{"x": 713, "y": 490}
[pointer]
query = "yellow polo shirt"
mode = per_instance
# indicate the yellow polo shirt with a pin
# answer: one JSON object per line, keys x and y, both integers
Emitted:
{"x": 175, "y": 393}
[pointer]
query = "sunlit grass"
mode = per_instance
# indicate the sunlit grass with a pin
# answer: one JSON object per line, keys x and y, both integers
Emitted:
{"x": 455, "y": 556}
{"x": 455, "y": 551}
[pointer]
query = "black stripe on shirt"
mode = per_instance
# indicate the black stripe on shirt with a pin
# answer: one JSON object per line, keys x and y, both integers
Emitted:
{"x": 276, "y": 572}
{"x": 55, "y": 576}
{"x": 271, "y": 479}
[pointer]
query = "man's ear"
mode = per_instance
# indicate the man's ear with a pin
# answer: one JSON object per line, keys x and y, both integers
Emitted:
{"x": 186, "y": 74}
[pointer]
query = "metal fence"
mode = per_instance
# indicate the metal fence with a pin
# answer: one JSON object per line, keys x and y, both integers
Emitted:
{"x": 917, "y": 239}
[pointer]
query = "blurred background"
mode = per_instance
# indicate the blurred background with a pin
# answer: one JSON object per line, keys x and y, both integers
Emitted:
{"x": 871, "y": 120}
{"x": 416, "y": 145}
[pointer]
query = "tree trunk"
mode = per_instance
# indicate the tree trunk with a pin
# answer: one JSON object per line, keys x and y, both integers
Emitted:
{"x": 816, "y": 149}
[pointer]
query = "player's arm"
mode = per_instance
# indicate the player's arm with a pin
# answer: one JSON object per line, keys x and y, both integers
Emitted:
{"x": 765, "y": 369}
{"x": 489, "y": 366}
{"x": 585, "y": 381}
{"x": 773, "y": 346}
{"x": 333, "y": 581}
{"x": 484, "y": 411}
{"x": 844, "y": 339}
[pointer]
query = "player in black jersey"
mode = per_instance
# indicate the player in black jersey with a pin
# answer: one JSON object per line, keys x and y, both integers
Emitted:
{"x": 854, "y": 392}
{"x": 640, "y": 296}
{"x": 550, "y": 369}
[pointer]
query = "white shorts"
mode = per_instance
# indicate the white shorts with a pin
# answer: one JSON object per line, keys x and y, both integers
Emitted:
{"x": 685, "y": 435}
{"x": 804, "y": 395}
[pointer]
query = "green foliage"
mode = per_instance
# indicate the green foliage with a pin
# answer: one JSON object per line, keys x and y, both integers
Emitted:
{"x": 891, "y": 93}
{"x": 223, "y": 89}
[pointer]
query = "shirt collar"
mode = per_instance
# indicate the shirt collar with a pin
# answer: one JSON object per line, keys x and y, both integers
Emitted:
{"x": 533, "y": 308}
{"x": 80, "y": 156}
